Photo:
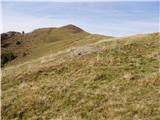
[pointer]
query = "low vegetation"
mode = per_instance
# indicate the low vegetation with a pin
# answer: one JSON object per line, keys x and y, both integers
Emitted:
{"x": 117, "y": 80}
{"x": 7, "y": 57}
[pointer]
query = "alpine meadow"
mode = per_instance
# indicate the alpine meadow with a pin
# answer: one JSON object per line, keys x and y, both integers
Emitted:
{"x": 80, "y": 60}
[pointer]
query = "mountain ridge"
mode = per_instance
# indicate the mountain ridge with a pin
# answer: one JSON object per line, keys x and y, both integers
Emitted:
{"x": 23, "y": 45}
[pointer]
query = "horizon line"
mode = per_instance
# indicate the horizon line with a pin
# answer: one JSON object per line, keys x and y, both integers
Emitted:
{"x": 143, "y": 33}
{"x": 77, "y": 1}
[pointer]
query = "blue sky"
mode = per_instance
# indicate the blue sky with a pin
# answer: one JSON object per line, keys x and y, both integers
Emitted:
{"x": 108, "y": 18}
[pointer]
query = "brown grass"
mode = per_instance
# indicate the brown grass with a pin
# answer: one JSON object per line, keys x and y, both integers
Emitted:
{"x": 123, "y": 84}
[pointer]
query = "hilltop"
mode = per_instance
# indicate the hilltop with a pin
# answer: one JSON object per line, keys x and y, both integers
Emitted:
{"x": 23, "y": 47}
{"x": 84, "y": 77}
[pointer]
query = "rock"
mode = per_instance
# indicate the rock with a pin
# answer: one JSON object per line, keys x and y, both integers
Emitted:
{"x": 9, "y": 35}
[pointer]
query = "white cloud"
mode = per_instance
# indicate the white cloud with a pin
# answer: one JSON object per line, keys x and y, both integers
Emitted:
{"x": 124, "y": 28}
{"x": 74, "y": 0}
{"x": 17, "y": 22}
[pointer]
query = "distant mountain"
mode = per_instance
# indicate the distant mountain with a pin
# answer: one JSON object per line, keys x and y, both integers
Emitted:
{"x": 43, "y": 41}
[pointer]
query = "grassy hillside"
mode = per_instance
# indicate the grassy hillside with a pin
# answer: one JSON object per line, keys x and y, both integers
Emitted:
{"x": 45, "y": 41}
{"x": 112, "y": 79}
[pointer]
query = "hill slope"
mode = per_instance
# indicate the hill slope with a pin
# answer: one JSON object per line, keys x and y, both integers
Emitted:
{"x": 44, "y": 41}
{"x": 113, "y": 79}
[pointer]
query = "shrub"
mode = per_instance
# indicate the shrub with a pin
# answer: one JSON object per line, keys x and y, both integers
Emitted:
{"x": 6, "y": 57}
{"x": 18, "y": 43}
{"x": 24, "y": 54}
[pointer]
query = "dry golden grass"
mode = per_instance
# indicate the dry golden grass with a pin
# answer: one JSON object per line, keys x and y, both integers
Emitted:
{"x": 114, "y": 79}
{"x": 47, "y": 41}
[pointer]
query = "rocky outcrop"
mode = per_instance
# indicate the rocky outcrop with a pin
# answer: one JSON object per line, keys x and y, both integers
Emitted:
{"x": 8, "y": 35}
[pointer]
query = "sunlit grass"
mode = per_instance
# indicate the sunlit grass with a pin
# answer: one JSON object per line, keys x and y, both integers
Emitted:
{"x": 121, "y": 84}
